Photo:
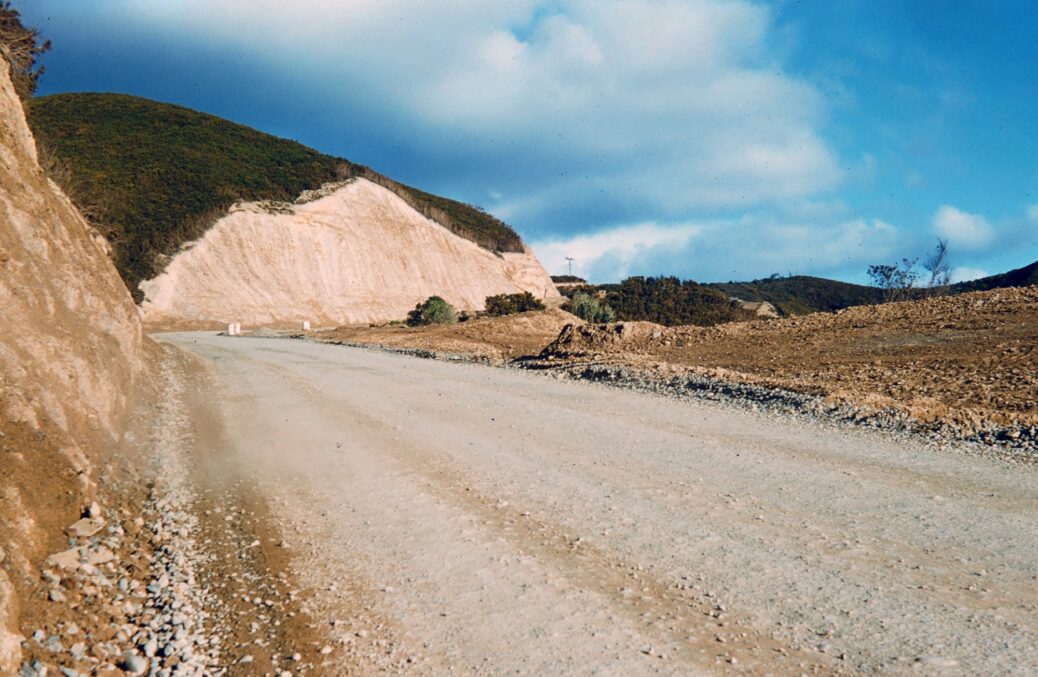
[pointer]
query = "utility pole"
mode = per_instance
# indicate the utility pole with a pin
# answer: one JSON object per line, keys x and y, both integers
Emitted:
{"x": 570, "y": 260}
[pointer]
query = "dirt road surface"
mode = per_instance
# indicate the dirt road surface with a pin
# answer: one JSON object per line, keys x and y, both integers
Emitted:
{"x": 456, "y": 518}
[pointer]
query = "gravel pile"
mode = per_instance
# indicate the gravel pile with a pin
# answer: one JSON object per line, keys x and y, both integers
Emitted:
{"x": 1017, "y": 442}
{"x": 125, "y": 592}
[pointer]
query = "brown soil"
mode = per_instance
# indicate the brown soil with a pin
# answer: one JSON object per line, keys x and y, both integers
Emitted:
{"x": 968, "y": 360}
{"x": 494, "y": 339}
{"x": 971, "y": 358}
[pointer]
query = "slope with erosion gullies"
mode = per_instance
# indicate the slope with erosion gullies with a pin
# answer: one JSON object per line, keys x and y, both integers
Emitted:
{"x": 71, "y": 354}
{"x": 155, "y": 176}
{"x": 354, "y": 252}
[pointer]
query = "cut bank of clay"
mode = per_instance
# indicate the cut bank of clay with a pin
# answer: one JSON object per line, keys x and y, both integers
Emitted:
{"x": 71, "y": 351}
{"x": 357, "y": 254}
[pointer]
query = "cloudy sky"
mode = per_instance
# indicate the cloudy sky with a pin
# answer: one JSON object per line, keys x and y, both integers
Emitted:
{"x": 710, "y": 139}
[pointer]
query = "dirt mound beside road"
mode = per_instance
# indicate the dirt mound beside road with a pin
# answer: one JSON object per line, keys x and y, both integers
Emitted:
{"x": 494, "y": 339}
{"x": 970, "y": 359}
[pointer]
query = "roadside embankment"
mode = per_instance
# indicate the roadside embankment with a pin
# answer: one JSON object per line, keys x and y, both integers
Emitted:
{"x": 71, "y": 357}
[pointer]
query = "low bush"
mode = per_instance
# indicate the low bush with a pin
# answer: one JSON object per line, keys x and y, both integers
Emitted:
{"x": 510, "y": 304}
{"x": 433, "y": 310}
{"x": 590, "y": 308}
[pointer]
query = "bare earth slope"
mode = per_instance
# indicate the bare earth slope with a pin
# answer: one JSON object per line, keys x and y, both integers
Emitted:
{"x": 70, "y": 349}
{"x": 495, "y": 339}
{"x": 969, "y": 360}
{"x": 359, "y": 254}
{"x": 462, "y": 518}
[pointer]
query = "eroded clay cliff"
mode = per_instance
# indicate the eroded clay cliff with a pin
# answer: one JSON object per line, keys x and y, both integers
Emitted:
{"x": 359, "y": 253}
{"x": 70, "y": 351}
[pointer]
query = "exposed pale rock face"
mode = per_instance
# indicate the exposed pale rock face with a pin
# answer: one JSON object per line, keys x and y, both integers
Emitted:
{"x": 70, "y": 344}
{"x": 71, "y": 337}
{"x": 358, "y": 254}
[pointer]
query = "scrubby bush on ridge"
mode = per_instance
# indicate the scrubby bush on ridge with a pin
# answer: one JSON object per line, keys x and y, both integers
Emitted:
{"x": 510, "y": 304}
{"x": 434, "y": 310}
{"x": 590, "y": 308}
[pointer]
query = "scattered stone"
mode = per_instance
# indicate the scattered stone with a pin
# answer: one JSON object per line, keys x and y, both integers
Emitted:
{"x": 134, "y": 663}
{"x": 100, "y": 556}
{"x": 85, "y": 528}
{"x": 67, "y": 559}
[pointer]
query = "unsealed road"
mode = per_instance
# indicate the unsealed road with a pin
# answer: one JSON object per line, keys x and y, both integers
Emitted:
{"x": 492, "y": 521}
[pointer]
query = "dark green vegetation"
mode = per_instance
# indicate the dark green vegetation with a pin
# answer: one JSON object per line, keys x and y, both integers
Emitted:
{"x": 21, "y": 47}
{"x": 801, "y": 294}
{"x": 590, "y": 308}
{"x": 568, "y": 279}
{"x": 153, "y": 176}
{"x": 433, "y": 310}
{"x": 511, "y": 304}
{"x": 1020, "y": 277}
{"x": 670, "y": 301}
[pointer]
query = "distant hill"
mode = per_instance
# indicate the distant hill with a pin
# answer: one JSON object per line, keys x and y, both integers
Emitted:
{"x": 568, "y": 280}
{"x": 1021, "y": 277}
{"x": 153, "y": 176}
{"x": 670, "y": 301}
{"x": 801, "y": 294}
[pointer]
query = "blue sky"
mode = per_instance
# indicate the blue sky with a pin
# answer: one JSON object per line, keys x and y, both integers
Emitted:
{"x": 709, "y": 139}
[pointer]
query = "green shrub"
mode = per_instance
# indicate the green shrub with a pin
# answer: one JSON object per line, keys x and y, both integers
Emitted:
{"x": 590, "y": 308}
{"x": 22, "y": 47}
{"x": 669, "y": 301}
{"x": 433, "y": 310}
{"x": 510, "y": 304}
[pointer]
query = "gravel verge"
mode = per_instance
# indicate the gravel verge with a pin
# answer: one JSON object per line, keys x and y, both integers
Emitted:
{"x": 1015, "y": 443}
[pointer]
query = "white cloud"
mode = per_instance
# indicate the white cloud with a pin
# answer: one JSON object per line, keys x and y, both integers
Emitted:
{"x": 1032, "y": 213}
{"x": 962, "y": 229}
{"x": 676, "y": 104}
{"x": 740, "y": 249}
{"x": 620, "y": 246}
{"x": 965, "y": 274}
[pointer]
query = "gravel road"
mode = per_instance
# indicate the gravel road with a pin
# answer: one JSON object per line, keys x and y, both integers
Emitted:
{"x": 461, "y": 518}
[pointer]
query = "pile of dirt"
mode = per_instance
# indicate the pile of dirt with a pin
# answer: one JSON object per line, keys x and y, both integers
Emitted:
{"x": 71, "y": 355}
{"x": 493, "y": 339}
{"x": 359, "y": 253}
{"x": 970, "y": 359}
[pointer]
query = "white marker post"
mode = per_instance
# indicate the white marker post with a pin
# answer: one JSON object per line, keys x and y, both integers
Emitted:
{"x": 230, "y": 329}
{"x": 306, "y": 325}
{"x": 237, "y": 328}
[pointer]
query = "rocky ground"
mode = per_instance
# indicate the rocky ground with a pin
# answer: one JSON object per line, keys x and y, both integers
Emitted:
{"x": 455, "y": 518}
{"x": 178, "y": 573}
{"x": 960, "y": 367}
{"x": 490, "y": 339}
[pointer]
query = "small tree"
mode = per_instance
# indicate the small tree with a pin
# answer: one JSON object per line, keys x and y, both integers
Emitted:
{"x": 896, "y": 281}
{"x": 937, "y": 265}
{"x": 510, "y": 304}
{"x": 433, "y": 310}
{"x": 22, "y": 47}
{"x": 590, "y": 308}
